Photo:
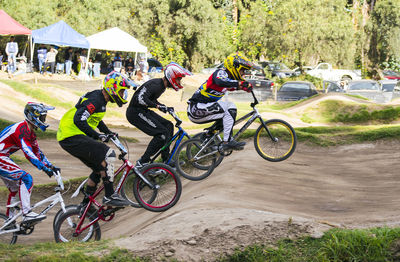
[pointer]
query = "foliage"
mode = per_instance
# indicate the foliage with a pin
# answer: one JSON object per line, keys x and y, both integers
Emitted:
{"x": 384, "y": 30}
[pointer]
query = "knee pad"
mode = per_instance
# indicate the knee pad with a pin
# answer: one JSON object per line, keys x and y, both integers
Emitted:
{"x": 110, "y": 159}
{"x": 95, "y": 177}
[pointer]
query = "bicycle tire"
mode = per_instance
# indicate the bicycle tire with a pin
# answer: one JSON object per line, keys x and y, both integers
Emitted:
{"x": 127, "y": 190}
{"x": 220, "y": 157}
{"x": 166, "y": 195}
{"x": 278, "y": 150}
{"x": 60, "y": 212}
{"x": 9, "y": 238}
{"x": 63, "y": 231}
{"x": 190, "y": 168}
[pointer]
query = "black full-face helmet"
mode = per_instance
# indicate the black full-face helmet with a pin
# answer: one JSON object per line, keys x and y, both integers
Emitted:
{"x": 35, "y": 113}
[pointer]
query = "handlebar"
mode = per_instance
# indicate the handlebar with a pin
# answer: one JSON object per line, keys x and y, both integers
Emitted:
{"x": 119, "y": 145}
{"x": 57, "y": 176}
{"x": 253, "y": 104}
{"x": 176, "y": 117}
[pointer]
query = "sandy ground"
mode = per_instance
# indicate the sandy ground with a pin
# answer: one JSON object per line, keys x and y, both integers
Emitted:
{"x": 249, "y": 200}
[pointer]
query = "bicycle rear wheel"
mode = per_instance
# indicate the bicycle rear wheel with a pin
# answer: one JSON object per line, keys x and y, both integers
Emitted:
{"x": 7, "y": 238}
{"x": 194, "y": 161}
{"x": 65, "y": 227}
{"x": 127, "y": 190}
{"x": 278, "y": 147}
{"x": 167, "y": 187}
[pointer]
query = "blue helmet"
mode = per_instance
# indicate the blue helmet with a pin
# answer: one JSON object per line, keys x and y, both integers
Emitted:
{"x": 35, "y": 113}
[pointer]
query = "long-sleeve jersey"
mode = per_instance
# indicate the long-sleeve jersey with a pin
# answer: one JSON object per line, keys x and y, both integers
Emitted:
{"x": 19, "y": 136}
{"x": 215, "y": 87}
{"x": 85, "y": 117}
{"x": 147, "y": 95}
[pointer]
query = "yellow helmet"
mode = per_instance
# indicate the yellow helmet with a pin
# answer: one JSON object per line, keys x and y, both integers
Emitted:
{"x": 235, "y": 62}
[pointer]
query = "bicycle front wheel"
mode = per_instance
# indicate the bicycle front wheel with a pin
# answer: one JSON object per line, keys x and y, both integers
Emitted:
{"x": 195, "y": 161}
{"x": 7, "y": 238}
{"x": 164, "y": 191}
{"x": 65, "y": 228}
{"x": 277, "y": 143}
{"x": 216, "y": 142}
{"x": 60, "y": 212}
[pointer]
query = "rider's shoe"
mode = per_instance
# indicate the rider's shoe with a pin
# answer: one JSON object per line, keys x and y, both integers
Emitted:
{"x": 233, "y": 145}
{"x": 115, "y": 200}
{"x": 33, "y": 217}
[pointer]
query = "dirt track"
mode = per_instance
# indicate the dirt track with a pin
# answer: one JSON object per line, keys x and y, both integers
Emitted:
{"x": 248, "y": 200}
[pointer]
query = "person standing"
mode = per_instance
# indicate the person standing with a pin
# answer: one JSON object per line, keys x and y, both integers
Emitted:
{"x": 51, "y": 59}
{"x": 41, "y": 55}
{"x": 12, "y": 51}
{"x": 69, "y": 56}
{"x": 97, "y": 64}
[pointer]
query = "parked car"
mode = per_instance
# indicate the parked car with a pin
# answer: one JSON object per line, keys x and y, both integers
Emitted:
{"x": 388, "y": 85}
{"x": 364, "y": 85}
{"x": 296, "y": 90}
{"x": 277, "y": 69}
{"x": 390, "y": 74}
{"x": 154, "y": 65}
{"x": 334, "y": 86}
{"x": 297, "y": 70}
{"x": 258, "y": 79}
{"x": 326, "y": 72}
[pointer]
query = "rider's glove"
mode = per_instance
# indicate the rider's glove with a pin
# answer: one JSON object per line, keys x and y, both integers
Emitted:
{"x": 246, "y": 86}
{"x": 170, "y": 109}
{"x": 56, "y": 169}
{"x": 104, "y": 137}
{"x": 162, "y": 108}
{"x": 112, "y": 134}
{"x": 48, "y": 171}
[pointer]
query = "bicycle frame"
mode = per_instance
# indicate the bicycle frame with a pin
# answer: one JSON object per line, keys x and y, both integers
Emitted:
{"x": 54, "y": 199}
{"x": 178, "y": 136}
{"x": 128, "y": 167}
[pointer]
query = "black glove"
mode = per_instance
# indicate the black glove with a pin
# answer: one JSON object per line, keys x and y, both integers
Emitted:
{"x": 104, "y": 137}
{"x": 112, "y": 134}
{"x": 170, "y": 109}
{"x": 56, "y": 169}
{"x": 246, "y": 86}
{"x": 48, "y": 171}
{"x": 163, "y": 108}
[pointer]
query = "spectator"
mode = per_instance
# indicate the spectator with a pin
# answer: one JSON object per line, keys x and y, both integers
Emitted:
{"x": 130, "y": 67}
{"x": 11, "y": 51}
{"x": 1, "y": 60}
{"x": 22, "y": 66}
{"x": 41, "y": 55}
{"x": 69, "y": 56}
{"x": 51, "y": 60}
{"x": 97, "y": 64}
{"x": 90, "y": 68}
{"x": 143, "y": 69}
{"x": 82, "y": 62}
{"x": 75, "y": 63}
{"x": 117, "y": 62}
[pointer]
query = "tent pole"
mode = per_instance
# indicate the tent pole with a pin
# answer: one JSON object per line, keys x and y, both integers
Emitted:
{"x": 32, "y": 46}
{"x": 86, "y": 66}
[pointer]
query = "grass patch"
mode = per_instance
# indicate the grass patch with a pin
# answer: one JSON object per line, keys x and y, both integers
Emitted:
{"x": 37, "y": 92}
{"x": 377, "y": 244}
{"x": 334, "y": 111}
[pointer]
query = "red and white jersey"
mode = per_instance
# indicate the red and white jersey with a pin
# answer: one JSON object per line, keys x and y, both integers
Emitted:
{"x": 19, "y": 136}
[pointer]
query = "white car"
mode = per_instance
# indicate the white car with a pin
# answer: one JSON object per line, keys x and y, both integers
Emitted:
{"x": 326, "y": 72}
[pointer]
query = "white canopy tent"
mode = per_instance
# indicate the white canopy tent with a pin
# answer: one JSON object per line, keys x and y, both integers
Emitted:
{"x": 115, "y": 39}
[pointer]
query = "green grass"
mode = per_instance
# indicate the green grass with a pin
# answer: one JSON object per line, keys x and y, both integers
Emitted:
{"x": 377, "y": 244}
{"x": 334, "y": 111}
{"x": 37, "y": 92}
